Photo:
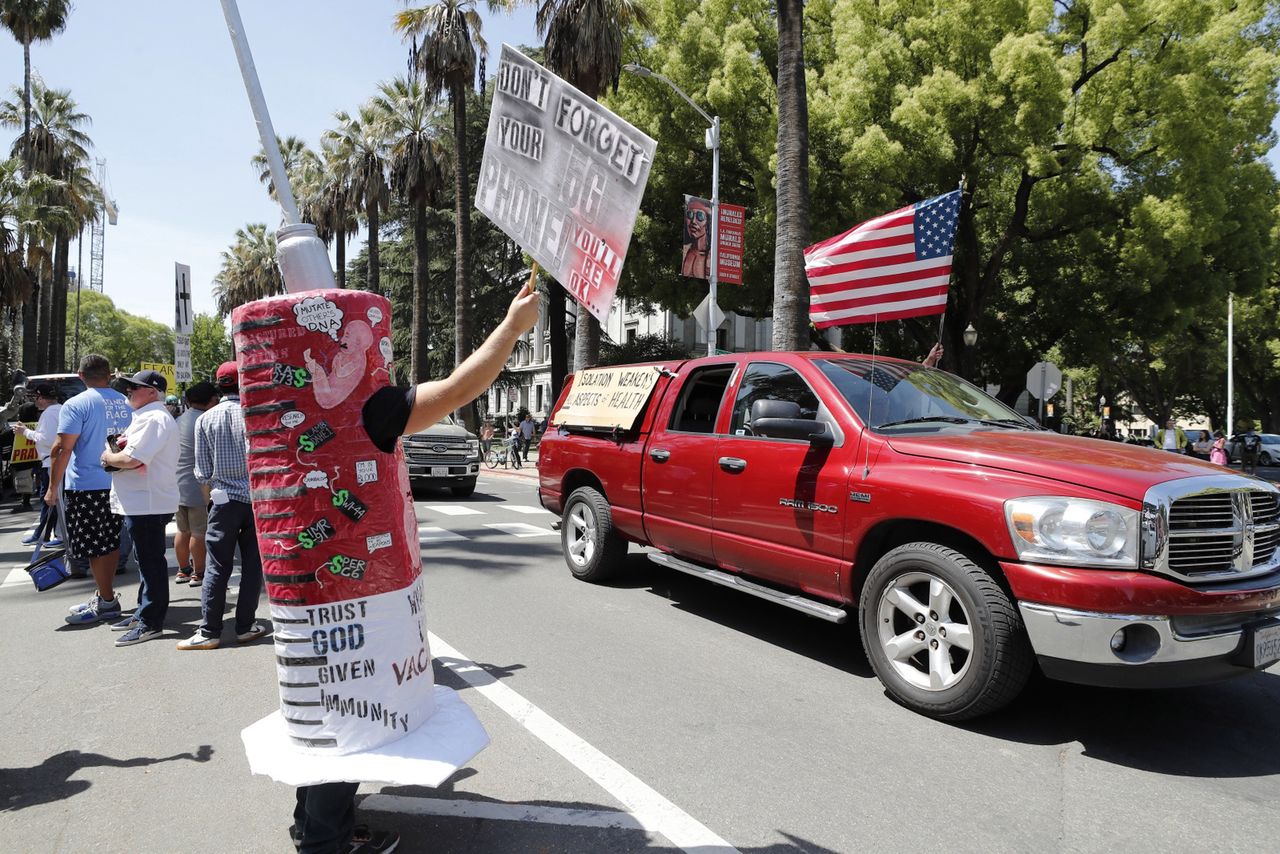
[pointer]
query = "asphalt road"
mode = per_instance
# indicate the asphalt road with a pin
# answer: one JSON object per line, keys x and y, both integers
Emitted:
{"x": 654, "y": 714}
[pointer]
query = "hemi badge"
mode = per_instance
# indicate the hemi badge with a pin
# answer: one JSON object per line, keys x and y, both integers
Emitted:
{"x": 861, "y": 497}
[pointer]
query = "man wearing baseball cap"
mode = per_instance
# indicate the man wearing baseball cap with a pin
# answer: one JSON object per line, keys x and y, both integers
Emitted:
{"x": 222, "y": 465}
{"x": 144, "y": 491}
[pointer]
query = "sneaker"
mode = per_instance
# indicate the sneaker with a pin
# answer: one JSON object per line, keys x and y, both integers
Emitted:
{"x": 137, "y": 634}
{"x": 196, "y": 581}
{"x": 184, "y": 574}
{"x": 377, "y": 842}
{"x": 126, "y": 624}
{"x": 255, "y": 631}
{"x": 94, "y": 610}
{"x": 30, "y": 539}
{"x": 52, "y": 543}
{"x": 199, "y": 641}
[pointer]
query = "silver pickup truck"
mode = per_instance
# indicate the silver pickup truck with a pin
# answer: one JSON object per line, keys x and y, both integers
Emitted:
{"x": 443, "y": 455}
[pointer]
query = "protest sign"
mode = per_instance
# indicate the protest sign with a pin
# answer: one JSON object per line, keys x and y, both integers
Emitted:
{"x": 169, "y": 372}
{"x": 182, "y": 357}
{"x": 182, "y": 317}
{"x": 562, "y": 177}
{"x": 607, "y": 397}
{"x": 24, "y": 450}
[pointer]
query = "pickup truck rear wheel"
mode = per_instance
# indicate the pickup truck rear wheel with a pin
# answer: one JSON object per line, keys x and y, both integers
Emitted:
{"x": 592, "y": 548}
{"x": 943, "y": 637}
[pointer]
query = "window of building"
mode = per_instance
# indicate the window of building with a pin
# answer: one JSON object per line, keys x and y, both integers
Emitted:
{"x": 632, "y": 331}
{"x": 722, "y": 339}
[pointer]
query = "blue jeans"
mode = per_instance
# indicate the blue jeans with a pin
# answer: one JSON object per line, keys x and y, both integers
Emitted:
{"x": 324, "y": 817}
{"x": 147, "y": 533}
{"x": 42, "y": 486}
{"x": 230, "y": 525}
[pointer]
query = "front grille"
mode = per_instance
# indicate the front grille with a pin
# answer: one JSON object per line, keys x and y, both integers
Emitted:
{"x": 1223, "y": 533}
{"x": 419, "y": 459}
{"x": 428, "y": 441}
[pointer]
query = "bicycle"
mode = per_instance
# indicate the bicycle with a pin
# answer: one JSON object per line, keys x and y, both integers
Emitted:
{"x": 497, "y": 458}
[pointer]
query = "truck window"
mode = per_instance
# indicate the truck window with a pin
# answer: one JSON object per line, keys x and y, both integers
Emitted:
{"x": 769, "y": 381}
{"x": 700, "y": 399}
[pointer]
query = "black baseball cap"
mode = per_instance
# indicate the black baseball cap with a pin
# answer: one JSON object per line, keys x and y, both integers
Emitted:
{"x": 151, "y": 379}
{"x": 44, "y": 389}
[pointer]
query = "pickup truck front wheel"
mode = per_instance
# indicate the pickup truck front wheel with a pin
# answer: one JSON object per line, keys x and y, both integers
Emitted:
{"x": 592, "y": 548}
{"x": 941, "y": 634}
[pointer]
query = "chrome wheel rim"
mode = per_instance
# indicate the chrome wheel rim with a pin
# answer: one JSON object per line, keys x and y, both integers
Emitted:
{"x": 582, "y": 534}
{"x": 925, "y": 631}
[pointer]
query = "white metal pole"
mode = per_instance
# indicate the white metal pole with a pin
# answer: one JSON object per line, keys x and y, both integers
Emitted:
{"x": 713, "y": 137}
{"x": 263, "y": 119}
{"x": 1231, "y": 413}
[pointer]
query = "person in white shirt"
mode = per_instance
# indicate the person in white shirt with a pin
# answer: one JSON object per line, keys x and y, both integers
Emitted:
{"x": 144, "y": 491}
{"x": 46, "y": 400}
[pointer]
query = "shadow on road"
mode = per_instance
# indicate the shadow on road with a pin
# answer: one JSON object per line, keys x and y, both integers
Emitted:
{"x": 51, "y": 779}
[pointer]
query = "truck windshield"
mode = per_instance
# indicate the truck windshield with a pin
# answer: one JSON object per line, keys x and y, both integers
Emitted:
{"x": 890, "y": 395}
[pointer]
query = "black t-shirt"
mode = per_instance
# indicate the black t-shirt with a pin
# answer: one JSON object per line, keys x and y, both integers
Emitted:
{"x": 386, "y": 414}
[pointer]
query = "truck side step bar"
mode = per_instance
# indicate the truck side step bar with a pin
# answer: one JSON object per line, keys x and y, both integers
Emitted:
{"x": 803, "y": 604}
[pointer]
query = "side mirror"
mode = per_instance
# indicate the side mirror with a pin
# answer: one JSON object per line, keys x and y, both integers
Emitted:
{"x": 814, "y": 432}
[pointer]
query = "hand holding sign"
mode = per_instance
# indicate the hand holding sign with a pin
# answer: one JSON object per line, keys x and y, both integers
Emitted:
{"x": 523, "y": 313}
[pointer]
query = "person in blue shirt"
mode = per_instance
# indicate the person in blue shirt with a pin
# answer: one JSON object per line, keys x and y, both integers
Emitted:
{"x": 84, "y": 426}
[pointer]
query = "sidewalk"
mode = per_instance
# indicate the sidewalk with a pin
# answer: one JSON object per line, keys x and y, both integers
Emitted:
{"x": 528, "y": 468}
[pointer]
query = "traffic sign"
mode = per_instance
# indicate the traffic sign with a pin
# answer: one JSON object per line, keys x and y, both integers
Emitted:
{"x": 700, "y": 314}
{"x": 1043, "y": 380}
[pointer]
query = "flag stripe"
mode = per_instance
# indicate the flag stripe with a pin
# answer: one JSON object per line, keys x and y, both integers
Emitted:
{"x": 881, "y": 275}
{"x": 880, "y": 292}
{"x": 895, "y": 265}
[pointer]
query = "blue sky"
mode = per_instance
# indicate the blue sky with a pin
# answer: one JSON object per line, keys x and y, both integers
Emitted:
{"x": 173, "y": 123}
{"x": 171, "y": 118}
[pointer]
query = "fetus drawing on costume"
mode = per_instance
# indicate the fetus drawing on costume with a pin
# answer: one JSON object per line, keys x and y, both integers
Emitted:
{"x": 345, "y": 370}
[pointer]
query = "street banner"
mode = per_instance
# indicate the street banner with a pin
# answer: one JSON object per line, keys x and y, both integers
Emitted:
{"x": 182, "y": 357}
{"x": 167, "y": 371}
{"x": 695, "y": 258}
{"x": 24, "y": 450}
{"x": 607, "y": 397}
{"x": 562, "y": 177}
{"x": 182, "y": 317}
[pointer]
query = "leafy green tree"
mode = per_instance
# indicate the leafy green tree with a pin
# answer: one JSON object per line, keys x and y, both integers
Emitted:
{"x": 125, "y": 339}
{"x": 644, "y": 348}
{"x": 358, "y": 141}
{"x": 415, "y": 161}
{"x": 32, "y": 21}
{"x": 248, "y": 271}
{"x": 210, "y": 346}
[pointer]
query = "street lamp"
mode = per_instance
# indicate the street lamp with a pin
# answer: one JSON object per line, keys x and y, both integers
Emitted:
{"x": 970, "y": 336}
{"x": 712, "y": 140}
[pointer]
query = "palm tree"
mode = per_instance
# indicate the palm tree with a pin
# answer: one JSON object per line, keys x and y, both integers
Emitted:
{"x": 414, "y": 159}
{"x": 446, "y": 40}
{"x": 55, "y": 144}
{"x": 248, "y": 270}
{"x": 331, "y": 197}
{"x": 359, "y": 142}
{"x": 296, "y": 157}
{"x": 83, "y": 201}
{"x": 32, "y": 21}
{"x": 790, "y": 288}
{"x": 583, "y": 41}
{"x": 15, "y": 282}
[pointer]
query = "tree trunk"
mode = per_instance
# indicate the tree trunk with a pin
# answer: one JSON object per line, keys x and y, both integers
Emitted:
{"x": 371, "y": 211}
{"x": 586, "y": 342}
{"x": 58, "y": 316}
{"x": 419, "y": 367}
{"x": 30, "y": 320}
{"x": 341, "y": 272}
{"x": 26, "y": 108}
{"x": 556, "y": 296}
{"x": 44, "y": 324}
{"x": 790, "y": 287}
{"x": 462, "y": 235}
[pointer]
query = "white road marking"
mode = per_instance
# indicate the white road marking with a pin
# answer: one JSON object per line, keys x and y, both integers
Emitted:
{"x": 17, "y": 575}
{"x": 427, "y": 534}
{"x": 527, "y": 510}
{"x": 521, "y": 529}
{"x": 651, "y": 810}
{"x": 454, "y": 510}
{"x": 611, "y": 819}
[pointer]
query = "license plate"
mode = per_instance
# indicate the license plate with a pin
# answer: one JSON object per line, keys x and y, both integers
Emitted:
{"x": 439, "y": 471}
{"x": 1266, "y": 644}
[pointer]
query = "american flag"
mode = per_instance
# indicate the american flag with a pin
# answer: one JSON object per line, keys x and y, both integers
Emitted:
{"x": 896, "y": 265}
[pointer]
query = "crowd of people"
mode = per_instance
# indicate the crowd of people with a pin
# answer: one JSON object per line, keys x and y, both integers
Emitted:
{"x": 517, "y": 436}
{"x": 120, "y": 461}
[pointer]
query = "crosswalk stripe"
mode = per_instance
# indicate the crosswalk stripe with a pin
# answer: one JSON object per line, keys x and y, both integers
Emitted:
{"x": 527, "y": 510}
{"x": 455, "y": 510}
{"x": 428, "y": 534}
{"x": 520, "y": 529}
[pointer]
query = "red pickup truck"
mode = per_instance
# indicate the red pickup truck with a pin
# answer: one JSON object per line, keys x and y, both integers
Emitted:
{"x": 970, "y": 545}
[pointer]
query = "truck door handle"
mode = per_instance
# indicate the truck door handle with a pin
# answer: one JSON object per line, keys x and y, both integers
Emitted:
{"x": 733, "y": 464}
{"x": 658, "y": 455}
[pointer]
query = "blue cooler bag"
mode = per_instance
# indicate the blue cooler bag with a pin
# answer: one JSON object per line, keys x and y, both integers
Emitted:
{"x": 49, "y": 569}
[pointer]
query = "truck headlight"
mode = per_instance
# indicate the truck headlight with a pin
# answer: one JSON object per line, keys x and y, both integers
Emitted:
{"x": 1051, "y": 529}
{"x": 473, "y": 447}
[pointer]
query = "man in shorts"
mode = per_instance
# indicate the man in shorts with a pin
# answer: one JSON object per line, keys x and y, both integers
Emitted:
{"x": 193, "y": 500}
{"x": 84, "y": 424}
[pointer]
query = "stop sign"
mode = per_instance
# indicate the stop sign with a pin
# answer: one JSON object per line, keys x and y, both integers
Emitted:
{"x": 1043, "y": 380}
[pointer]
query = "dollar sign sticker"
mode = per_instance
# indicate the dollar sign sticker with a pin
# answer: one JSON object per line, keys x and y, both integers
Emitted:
{"x": 299, "y": 378}
{"x": 306, "y": 443}
{"x": 305, "y": 539}
{"x": 340, "y": 498}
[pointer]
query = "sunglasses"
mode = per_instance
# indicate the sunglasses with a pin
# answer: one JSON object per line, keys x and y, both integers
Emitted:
{"x": 698, "y": 216}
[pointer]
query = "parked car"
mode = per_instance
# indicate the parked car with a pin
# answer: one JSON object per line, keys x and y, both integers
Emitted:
{"x": 1268, "y": 453}
{"x": 445, "y": 455}
{"x": 968, "y": 547}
